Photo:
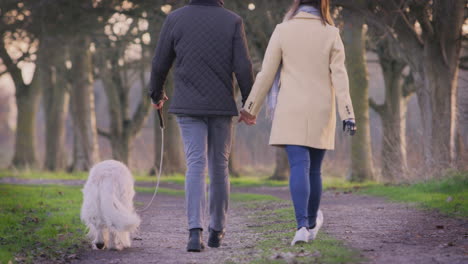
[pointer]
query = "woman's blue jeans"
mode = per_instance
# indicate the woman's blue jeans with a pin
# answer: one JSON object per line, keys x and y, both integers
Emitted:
{"x": 305, "y": 183}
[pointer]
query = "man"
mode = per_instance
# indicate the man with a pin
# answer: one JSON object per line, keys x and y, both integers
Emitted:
{"x": 208, "y": 45}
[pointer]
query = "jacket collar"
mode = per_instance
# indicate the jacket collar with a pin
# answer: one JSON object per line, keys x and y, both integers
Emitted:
{"x": 305, "y": 15}
{"x": 207, "y": 2}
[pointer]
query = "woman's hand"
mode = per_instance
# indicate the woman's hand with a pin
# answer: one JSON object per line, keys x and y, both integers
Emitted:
{"x": 247, "y": 118}
{"x": 349, "y": 126}
{"x": 160, "y": 104}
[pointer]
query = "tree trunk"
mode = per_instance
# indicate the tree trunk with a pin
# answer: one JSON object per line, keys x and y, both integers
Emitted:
{"x": 442, "y": 82}
{"x": 462, "y": 137}
{"x": 121, "y": 147}
{"x": 118, "y": 81}
{"x": 173, "y": 149}
{"x": 56, "y": 102}
{"x": 173, "y": 154}
{"x": 362, "y": 167}
{"x": 233, "y": 164}
{"x": 281, "y": 172}
{"x": 393, "y": 116}
{"x": 27, "y": 101}
{"x": 435, "y": 68}
{"x": 82, "y": 106}
{"x": 234, "y": 170}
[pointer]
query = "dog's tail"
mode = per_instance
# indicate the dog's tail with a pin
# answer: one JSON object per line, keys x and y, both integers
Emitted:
{"x": 117, "y": 215}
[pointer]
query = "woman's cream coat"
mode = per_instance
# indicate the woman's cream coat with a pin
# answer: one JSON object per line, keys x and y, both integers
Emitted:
{"x": 312, "y": 76}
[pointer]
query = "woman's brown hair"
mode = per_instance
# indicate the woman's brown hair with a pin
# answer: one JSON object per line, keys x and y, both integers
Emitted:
{"x": 322, "y": 5}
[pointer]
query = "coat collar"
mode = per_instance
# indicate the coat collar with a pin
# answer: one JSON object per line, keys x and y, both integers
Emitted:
{"x": 207, "y": 2}
{"x": 305, "y": 15}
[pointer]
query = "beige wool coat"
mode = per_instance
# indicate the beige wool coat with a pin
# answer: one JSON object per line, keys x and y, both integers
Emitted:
{"x": 312, "y": 76}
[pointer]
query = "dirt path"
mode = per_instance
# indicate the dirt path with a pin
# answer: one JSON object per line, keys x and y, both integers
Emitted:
{"x": 163, "y": 236}
{"x": 387, "y": 232}
{"x": 384, "y": 232}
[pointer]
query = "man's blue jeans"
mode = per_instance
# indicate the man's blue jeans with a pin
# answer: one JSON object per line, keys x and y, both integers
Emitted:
{"x": 207, "y": 141}
{"x": 305, "y": 182}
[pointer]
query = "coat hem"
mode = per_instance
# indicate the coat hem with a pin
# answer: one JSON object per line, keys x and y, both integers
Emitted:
{"x": 283, "y": 144}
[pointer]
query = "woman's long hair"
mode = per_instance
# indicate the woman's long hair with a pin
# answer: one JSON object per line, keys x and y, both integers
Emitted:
{"x": 322, "y": 5}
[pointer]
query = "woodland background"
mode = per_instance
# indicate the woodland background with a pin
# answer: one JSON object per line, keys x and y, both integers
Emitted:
{"x": 74, "y": 77}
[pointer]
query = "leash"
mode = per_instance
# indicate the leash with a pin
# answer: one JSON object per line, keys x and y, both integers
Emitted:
{"x": 162, "y": 126}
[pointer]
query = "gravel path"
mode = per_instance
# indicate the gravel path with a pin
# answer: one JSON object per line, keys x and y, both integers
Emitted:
{"x": 387, "y": 232}
{"x": 383, "y": 231}
{"x": 163, "y": 236}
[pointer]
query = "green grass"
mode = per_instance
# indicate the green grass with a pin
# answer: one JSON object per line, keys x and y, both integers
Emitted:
{"x": 246, "y": 181}
{"x": 44, "y": 220}
{"x": 278, "y": 227}
{"x": 237, "y": 197}
{"x": 164, "y": 191}
{"x": 448, "y": 195}
{"x": 39, "y": 220}
{"x": 32, "y": 174}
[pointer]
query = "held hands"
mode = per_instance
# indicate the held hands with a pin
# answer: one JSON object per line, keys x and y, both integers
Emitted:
{"x": 247, "y": 118}
{"x": 160, "y": 104}
{"x": 349, "y": 127}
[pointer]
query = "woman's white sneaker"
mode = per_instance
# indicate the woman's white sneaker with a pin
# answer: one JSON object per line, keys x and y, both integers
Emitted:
{"x": 313, "y": 232}
{"x": 302, "y": 236}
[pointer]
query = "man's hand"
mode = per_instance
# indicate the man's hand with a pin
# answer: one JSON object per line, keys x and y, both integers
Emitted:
{"x": 247, "y": 118}
{"x": 160, "y": 104}
{"x": 349, "y": 127}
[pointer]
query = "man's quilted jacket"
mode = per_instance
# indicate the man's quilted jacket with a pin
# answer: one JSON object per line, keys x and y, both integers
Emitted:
{"x": 207, "y": 45}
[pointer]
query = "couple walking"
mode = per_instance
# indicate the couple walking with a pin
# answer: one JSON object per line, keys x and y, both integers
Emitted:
{"x": 303, "y": 72}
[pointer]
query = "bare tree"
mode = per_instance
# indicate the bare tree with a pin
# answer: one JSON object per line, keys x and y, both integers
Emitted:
{"x": 362, "y": 167}
{"x": 281, "y": 172}
{"x": 260, "y": 24}
{"x": 392, "y": 112}
{"x": 173, "y": 151}
{"x": 428, "y": 34}
{"x": 56, "y": 87}
{"x": 117, "y": 84}
{"x": 15, "y": 19}
{"x": 86, "y": 149}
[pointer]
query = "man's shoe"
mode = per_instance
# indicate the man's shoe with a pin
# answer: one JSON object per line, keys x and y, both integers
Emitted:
{"x": 195, "y": 243}
{"x": 318, "y": 224}
{"x": 214, "y": 241}
{"x": 302, "y": 236}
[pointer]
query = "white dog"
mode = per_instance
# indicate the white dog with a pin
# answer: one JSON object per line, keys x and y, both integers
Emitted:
{"x": 107, "y": 207}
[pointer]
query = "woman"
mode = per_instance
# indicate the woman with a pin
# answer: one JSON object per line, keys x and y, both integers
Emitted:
{"x": 307, "y": 52}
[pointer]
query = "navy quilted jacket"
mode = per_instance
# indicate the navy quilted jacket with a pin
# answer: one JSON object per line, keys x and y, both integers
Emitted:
{"x": 208, "y": 45}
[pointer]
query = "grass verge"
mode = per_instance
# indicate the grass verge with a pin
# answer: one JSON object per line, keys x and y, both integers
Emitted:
{"x": 42, "y": 222}
{"x": 236, "y": 197}
{"x": 39, "y": 222}
{"x": 277, "y": 228}
{"x": 448, "y": 195}
{"x": 245, "y": 181}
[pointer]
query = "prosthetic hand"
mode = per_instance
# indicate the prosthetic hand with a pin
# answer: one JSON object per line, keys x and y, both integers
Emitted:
{"x": 349, "y": 126}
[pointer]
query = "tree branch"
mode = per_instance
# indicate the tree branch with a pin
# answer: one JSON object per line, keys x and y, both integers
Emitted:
{"x": 103, "y": 133}
{"x": 408, "y": 86}
{"x": 12, "y": 68}
{"x": 420, "y": 10}
{"x": 379, "y": 108}
{"x": 464, "y": 63}
{"x": 142, "y": 112}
